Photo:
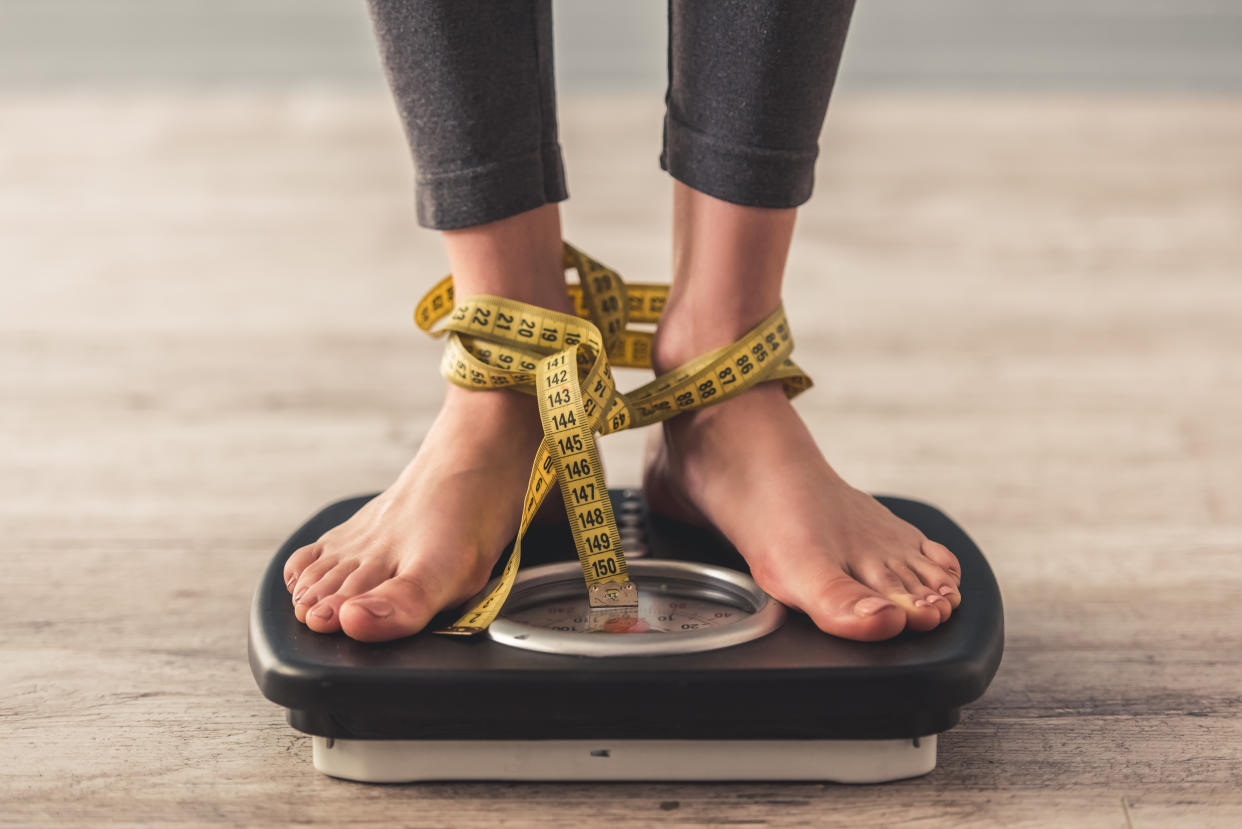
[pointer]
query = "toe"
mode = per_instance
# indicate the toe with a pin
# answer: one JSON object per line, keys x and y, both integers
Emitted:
{"x": 400, "y": 606}
{"x": 924, "y": 594}
{"x": 309, "y": 578}
{"x": 921, "y": 614}
{"x": 325, "y": 586}
{"x": 940, "y": 581}
{"x": 299, "y": 561}
{"x": 846, "y": 608}
{"x": 939, "y": 555}
{"x": 325, "y": 616}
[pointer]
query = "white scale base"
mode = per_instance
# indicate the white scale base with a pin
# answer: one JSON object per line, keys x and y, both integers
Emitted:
{"x": 842, "y": 761}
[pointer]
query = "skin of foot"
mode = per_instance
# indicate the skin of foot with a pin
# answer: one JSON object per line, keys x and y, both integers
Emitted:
{"x": 429, "y": 541}
{"x": 750, "y": 468}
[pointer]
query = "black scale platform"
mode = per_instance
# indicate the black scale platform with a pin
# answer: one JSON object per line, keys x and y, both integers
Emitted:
{"x": 795, "y": 684}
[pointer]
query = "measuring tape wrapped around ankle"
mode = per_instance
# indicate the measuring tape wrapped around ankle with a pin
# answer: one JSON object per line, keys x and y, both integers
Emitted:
{"x": 565, "y": 361}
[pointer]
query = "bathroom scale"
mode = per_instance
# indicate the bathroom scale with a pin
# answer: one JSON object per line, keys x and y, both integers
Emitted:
{"x": 708, "y": 679}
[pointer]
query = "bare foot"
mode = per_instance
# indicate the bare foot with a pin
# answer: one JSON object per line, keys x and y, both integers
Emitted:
{"x": 430, "y": 540}
{"x": 751, "y": 468}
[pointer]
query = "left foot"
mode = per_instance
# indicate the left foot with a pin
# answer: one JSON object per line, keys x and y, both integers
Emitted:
{"x": 751, "y": 468}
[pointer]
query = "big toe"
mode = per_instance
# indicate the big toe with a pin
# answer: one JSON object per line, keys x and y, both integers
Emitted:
{"x": 396, "y": 608}
{"x": 849, "y": 609}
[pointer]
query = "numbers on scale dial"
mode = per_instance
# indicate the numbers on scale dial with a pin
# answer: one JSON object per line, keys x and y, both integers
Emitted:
{"x": 661, "y": 614}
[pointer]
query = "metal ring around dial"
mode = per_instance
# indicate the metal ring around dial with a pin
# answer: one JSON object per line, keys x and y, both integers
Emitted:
{"x": 676, "y": 578}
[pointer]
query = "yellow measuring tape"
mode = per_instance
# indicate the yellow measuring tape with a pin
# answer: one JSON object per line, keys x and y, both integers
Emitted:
{"x": 564, "y": 361}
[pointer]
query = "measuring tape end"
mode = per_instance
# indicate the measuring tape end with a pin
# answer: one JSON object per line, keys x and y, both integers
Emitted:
{"x": 613, "y": 594}
{"x": 464, "y": 631}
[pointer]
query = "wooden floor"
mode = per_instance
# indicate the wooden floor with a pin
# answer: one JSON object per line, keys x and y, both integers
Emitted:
{"x": 1025, "y": 310}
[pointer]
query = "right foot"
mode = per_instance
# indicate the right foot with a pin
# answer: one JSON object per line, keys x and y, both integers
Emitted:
{"x": 430, "y": 540}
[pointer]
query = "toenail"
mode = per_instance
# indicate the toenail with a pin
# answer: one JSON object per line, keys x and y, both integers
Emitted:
{"x": 922, "y": 603}
{"x": 378, "y": 608}
{"x": 292, "y": 580}
{"x": 872, "y": 605}
{"x": 946, "y": 590}
{"x": 297, "y": 597}
{"x": 323, "y": 611}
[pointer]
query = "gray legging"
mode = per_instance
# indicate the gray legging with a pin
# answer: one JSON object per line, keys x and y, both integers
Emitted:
{"x": 749, "y": 82}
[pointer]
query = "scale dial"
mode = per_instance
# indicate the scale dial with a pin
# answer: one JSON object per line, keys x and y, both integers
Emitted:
{"x": 683, "y": 607}
{"x": 660, "y": 613}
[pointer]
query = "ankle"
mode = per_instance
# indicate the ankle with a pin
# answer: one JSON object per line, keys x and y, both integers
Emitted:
{"x": 519, "y": 257}
{"x": 728, "y": 264}
{"x": 692, "y": 326}
{"x": 487, "y": 408}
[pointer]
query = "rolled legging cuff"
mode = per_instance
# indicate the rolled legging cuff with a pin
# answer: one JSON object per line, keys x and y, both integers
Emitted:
{"x": 454, "y": 199}
{"x": 750, "y": 176}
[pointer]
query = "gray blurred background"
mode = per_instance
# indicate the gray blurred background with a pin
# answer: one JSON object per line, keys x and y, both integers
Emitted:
{"x": 1108, "y": 45}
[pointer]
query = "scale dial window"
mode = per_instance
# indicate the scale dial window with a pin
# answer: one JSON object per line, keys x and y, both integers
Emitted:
{"x": 683, "y": 607}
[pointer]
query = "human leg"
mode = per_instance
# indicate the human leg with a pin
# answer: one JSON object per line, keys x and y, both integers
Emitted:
{"x": 473, "y": 83}
{"x": 740, "y": 145}
{"x": 488, "y": 176}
